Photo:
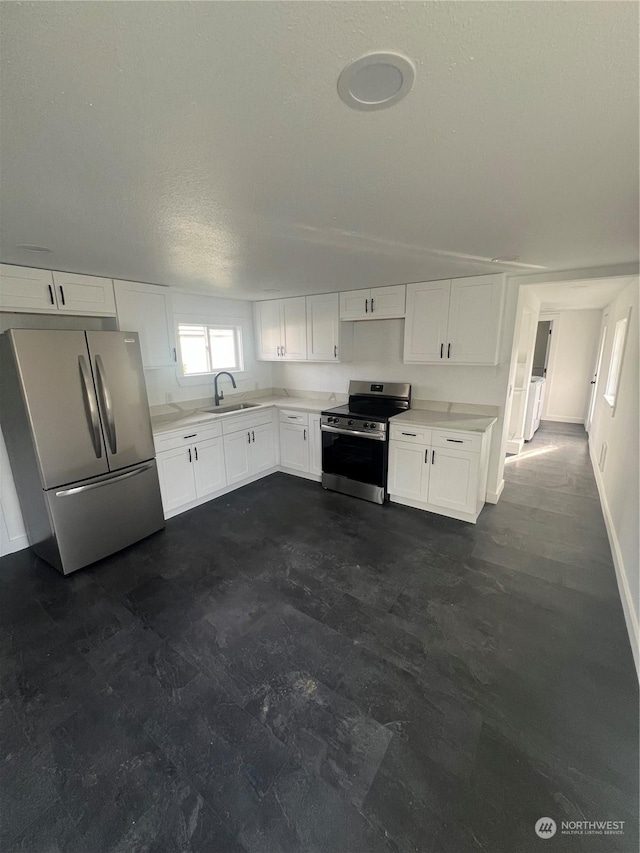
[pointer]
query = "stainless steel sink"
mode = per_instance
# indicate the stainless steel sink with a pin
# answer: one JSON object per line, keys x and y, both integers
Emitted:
{"x": 238, "y": 407}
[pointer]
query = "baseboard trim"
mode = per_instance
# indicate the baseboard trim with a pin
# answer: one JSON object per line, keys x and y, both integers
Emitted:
{"x": 626, "y": 598}
{"x": 515, "y": 445}
{"x": 494, "y": 497}
{"x": 561, "y": 420}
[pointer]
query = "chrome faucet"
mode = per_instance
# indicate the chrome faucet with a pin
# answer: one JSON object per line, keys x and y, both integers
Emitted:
{"x": 218, "y": 395}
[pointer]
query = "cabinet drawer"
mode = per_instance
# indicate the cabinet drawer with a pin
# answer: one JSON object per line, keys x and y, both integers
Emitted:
{"x": 263, "y": 416}
{"x": 288, "y": 416}
{"x": 188, "y": 436}
{"x": 407, "y": 432}
{"x": 457, "y": 440}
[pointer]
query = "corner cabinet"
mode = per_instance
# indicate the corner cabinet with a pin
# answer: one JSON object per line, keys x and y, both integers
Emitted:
{"x": 300, "y": 444}
{"x": 379, "y": 303}
{"x": 455, "y": 321}
{"x": 146, "y": 309}
{"x": 281, "y": 329}
{"x": 29, "y": 290}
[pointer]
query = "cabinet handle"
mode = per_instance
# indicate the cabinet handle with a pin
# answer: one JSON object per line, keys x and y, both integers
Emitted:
{"x": 248, "y": 438}
{"x": 53, "y": 301}
{"x": 175, "y": 356}
{"x": 253, "y": 436}
{"x": 366, "y": 306}
{"x": 304, "y": 434}
{"x": 372, "y": 304}
{"x": 448, "y": 350}
{"x": 62, "y": 295}
{"x": 193, "y": 435}
{"x": 292, "y": 417}
{"x": 195, "y": 450}
{"x": 335, "y": 351}
{"x": 412, "y": 434}
{"x": 433, "y": 456}
{"x": 279, "y": 348}
{"x": 426, "y": 456}
{"x": 441, "y": 349}
{"x": 189, "y": 454}
{"x": 456, "y": 440}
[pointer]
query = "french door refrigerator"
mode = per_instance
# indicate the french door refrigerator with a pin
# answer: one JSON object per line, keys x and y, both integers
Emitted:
{"x": 75, "y": 419}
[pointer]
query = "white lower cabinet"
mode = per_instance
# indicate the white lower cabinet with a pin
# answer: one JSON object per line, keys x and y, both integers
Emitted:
{"x": 301, "y": 444}
{"x": 236, "y": 456}
{"x": 177, "y": 483}
{"x": 208, "y": 467}
{"x": 428, "y": 471}
{"x": 294, "y": 447}
{"x": 191, "y": 469}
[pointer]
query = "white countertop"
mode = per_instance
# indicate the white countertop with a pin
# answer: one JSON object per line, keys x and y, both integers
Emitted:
{"x": 445, "y": 420}
{"x": 168, "y": 422}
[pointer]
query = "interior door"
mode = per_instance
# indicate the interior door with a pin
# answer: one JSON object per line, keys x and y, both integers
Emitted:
{"x": 61, "y": 403}
{"x": 122, "y": 396}
{"x": 594, "y": 381}
{"x": 425, "y": 333}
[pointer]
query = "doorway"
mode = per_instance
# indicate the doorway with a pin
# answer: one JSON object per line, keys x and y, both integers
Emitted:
{"x": 542, "y": 348}
{"x": 596, "y": 372}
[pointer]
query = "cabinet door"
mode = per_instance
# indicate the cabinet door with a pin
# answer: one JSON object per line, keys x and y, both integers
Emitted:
{"x": 388, "y": 301}
{"x": 84, "y": 294}
{"x": 177, "y": 482}
{"x": 453, "y": 479}
{"x": 263, "y": 448}
{"x": 409, "y": 470}
{"x": 26, "y": 289}
{"x": 294, "y": 447}
{"x": 315, "y": 445}
{"x": 146, "y": 309}
{"x": 267, "y": 320}
{"x": 294, "y": 328}
{"x": 208, "y": 466}
{"x": 237, "y": 456}
{"x": 354, "y": 305}
{"x": 425, "y": 331}
{"x": 474, "y": 319}
{"x": 323, "y": 327}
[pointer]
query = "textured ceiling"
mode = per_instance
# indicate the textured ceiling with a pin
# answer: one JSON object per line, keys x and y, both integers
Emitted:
{"x": 581, "y": 294}
{"x": 204, "y": 144}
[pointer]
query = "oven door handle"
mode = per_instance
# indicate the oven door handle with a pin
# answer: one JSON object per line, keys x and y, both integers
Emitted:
{"x": 358, "y": 432}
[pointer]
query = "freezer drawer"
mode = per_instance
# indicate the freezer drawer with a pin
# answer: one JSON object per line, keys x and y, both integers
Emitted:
{"x": 95, "y": 518}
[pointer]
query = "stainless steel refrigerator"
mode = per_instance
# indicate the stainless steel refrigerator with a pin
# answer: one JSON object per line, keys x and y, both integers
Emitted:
{"x": 75, "y": 420}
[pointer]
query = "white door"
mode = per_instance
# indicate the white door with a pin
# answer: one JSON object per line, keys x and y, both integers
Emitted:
{"x": 26, "y": 289}
{"x": 315, "y": 445}
{"x": 267, "y": 318}
{"x": 294, "y": 447}
{"x": 409, "y": 470}
{"x": 388, "y": 301}
{"x": 453, "y": 479}
{"x": 208, "y": 459}
{"x": 594, "y": 381}
{"x": 84, "y": 294}
{"x": 323, "y": 327}
{"x": 294, "y": 328}
{"x": 263, "y": 448}
{"x": 146, "y": 309}
{"x": 425, "y": 329}
{"x": 237, "y": 456}
{"x": 474, "y": 320}
{"x": 177, "y": 483}
{"x": 354, "y": 305}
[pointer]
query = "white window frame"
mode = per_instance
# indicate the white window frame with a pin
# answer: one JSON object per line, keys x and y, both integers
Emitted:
{"x": 204, "y": 378}
{"x": 616, "y": 360}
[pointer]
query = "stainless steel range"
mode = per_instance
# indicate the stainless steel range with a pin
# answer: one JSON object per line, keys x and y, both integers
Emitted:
{"x": 355, "y": 439}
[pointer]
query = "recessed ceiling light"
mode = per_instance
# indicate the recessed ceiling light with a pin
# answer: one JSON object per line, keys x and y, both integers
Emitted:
{"x": 28, "y": 247}
{"x": 376, "y": 81}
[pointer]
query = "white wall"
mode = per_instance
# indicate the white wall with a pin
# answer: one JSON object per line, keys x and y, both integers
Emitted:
{"x": 619, "y": 481}
{"x": 377, "y": 355}
{"x": 196, "y": 308}
{"x": 574, "y": 343}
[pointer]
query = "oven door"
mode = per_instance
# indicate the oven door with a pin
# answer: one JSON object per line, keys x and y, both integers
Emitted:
{"x": 354, "y": 465}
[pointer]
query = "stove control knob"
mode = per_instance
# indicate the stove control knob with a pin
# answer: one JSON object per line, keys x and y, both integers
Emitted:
{"x": 365, "y": 426}
{"x": 349, "y": 423}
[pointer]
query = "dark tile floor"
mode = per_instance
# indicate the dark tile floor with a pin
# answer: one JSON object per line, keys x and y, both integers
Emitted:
{"x": 288, "y": 669}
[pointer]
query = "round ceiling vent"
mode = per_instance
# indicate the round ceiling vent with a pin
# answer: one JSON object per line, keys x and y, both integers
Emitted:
{"x": 376, "y": 81}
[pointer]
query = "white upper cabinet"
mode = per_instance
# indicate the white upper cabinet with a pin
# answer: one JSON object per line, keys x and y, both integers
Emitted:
{"x": 84, "y": 294}
{"x": 455, "y": 321}
{"x": 323, "y": 327}
{"x": 146, "y": 309}
{"x": 26, "y": 289}
{"x": 379, "y": 303}
{"x": 33, "y": 290}
{"x": 281, "y": 329}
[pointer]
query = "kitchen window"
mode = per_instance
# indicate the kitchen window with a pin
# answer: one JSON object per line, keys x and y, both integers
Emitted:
{"x": 206, "y": 349}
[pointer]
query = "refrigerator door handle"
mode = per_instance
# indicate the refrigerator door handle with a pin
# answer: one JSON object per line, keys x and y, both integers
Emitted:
{"x": 90, "y": 406}
{"x": 79, "y": 489}
{"x": 105, "y": 399}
